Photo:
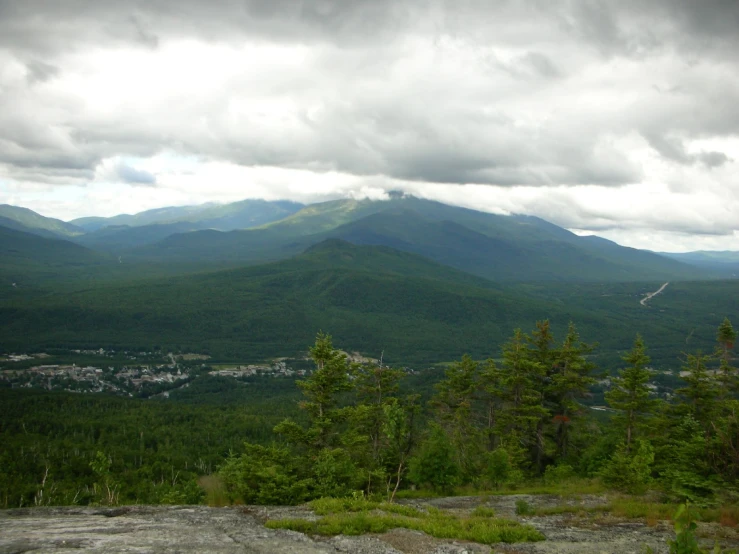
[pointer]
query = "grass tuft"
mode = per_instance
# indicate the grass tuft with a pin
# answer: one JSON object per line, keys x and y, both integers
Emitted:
{"x": 483, "y": 511}
{"x": 215, "y": 491}
{"x": 523, "y": 508}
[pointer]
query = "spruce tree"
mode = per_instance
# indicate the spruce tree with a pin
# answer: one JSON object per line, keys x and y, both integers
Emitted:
{"x": 727, "y": 376}
{"x": 491, "y": 394}
{"x": 453, "y": 403}
{"x": 544, "y": 356}
{"x": 629, "y": 391}
{"x": 570, "y": 381}
{"x": 321, "y": 391}
{"x": 520, "y": 378}
{"x": 701, "y": 391}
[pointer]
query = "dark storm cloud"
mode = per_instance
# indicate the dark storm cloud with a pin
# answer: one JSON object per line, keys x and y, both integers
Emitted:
{"x": 673, "y": 148}
{"x": 39, "y": 71}
{"x": 25, "y": 25}
{"x": 134, "y": 176}
{"x": 631, "y": 26}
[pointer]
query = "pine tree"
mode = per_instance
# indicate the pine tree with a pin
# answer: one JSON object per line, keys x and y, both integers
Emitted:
{"x": 629, "y": 392}
{"x": 701, "y": 390}
{"x": 520, "y": 377}
{"x": 491, "y": 394}
{"x": 543, "y": 355}
{"x": 453, "y": 403}
{"x": 321, "y": 391}
{"x": 726, "y": 337}
{"x": 570, "y": 381}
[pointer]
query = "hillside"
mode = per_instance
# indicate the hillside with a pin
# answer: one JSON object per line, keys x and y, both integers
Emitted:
{"x": 225, "y": 217}
{"x": 147, "y": 217}
{"x": 26, "y": 253}
{"x": 725, "y": 263}
{"x": 507, "y": 248}
{"x": 115, "y": 238}
{"x": 32, "y": 222}
{"x": 503, "y": 248}
{"x": 373, "y": 298}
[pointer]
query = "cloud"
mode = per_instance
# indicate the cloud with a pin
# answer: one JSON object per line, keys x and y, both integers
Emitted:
{"x": 133, "y": 176}
{"x": 39, "y": 71}
{"x": 517, "y": 96}
{"x": 118, "y": 170}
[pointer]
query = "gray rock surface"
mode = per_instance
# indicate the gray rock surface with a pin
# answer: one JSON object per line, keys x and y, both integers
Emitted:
{"x": 189, "y": 529}
{"x": 158, "y": 529}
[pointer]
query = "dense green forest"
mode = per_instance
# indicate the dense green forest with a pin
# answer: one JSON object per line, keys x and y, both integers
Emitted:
{"x": 377, "y": 298}
{"x": 457, "y": 401}
{"x": 155, "y": 449}
{"x": 489, "y": 424}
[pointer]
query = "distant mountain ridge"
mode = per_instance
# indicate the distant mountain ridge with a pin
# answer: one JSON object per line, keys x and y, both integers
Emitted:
{"x": 724, "y": 262}
{"x": 224, "y": 217}
{"x": 497, "y": 247}
{"x": 30, "y": 221}
{"x": 492, "y": 246}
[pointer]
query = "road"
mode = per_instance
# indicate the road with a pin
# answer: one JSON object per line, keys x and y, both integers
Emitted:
{"x": 643, "y": 301}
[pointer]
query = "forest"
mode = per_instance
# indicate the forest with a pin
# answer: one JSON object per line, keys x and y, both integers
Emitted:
{"x": 515, "y": 419}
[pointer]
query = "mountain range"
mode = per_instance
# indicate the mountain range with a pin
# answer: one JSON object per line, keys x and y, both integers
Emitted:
{"x": 424, "y": 280}
{"x": 492, "y": 246}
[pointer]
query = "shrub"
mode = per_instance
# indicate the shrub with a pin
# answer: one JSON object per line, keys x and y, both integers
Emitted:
{"x": 263, "y": 475}
{"x": 499, "y": 470}
{"x": 685, "y": 541}
{"x": 558, "y": 474}
{"x": 630, "y": 471}
{"x": 435, "y": 464}
{"x": 378, "y": 518}
{"x": 523, "y": 508}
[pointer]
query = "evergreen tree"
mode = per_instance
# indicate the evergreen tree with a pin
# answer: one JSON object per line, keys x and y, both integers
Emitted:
{"x": 544, "y": 356}
{"x": 520, "y": 377}
{"x": 453, "y": 403}
{"x": 491, "y": 394}
{"x": 436, "y": 463}
{"x": 570, "y": 381}
{"x": 629, "y": 392}
{"x": 701, "y": 391}
{"x": 726, "y": 337}
{"x": 321, "y": 391}
{"x": 376, "y": 387}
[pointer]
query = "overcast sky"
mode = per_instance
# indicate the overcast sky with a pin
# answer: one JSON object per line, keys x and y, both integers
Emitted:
{"x": 615, "y": 118}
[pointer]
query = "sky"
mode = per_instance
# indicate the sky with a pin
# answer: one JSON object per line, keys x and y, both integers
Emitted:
{"x": 614, "y": 118}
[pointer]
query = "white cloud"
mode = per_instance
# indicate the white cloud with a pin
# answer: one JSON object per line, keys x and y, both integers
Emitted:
{"x": 620, "y": 120}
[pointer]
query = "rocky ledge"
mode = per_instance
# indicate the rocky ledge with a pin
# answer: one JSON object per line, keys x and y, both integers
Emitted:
{"x": 184, "y": 529}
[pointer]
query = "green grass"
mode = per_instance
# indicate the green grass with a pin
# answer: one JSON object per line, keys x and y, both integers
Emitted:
{"x": 327, "y": 506}
{"x": 634, "y": 508}
{"x": 523, "y": 508}
{"x": 628, "y": 507}
{"x": 568, "y": 487}
{"x": 359, "y": 516}
{"x": 483, "y": 511}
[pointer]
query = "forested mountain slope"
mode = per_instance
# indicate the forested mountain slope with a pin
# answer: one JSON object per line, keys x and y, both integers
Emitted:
{"x": 373, "y": 298}
{"x": 30, "y": 221}
{"x": 508, "y": 248}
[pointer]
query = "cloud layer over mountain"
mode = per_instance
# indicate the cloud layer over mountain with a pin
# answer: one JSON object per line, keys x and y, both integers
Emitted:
{"x": 618, "y": 118}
